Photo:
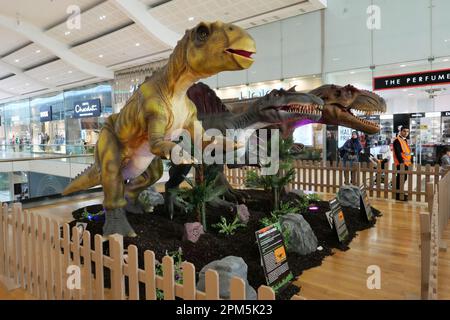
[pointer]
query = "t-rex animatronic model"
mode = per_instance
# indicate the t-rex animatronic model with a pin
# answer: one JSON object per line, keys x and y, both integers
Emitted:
{"x": 278, "y": 107}
{"x": 281, "y": 109}
{"x": 132, "y": 142}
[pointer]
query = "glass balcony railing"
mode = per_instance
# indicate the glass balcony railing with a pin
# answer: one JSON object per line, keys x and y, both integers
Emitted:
{"x": 26, "y": 174}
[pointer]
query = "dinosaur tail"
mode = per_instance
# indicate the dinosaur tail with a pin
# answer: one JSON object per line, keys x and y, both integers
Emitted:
{"x": 89, "y": 178}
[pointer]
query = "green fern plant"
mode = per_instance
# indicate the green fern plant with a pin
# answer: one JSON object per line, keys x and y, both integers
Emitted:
{"x": 228, "y": 228}
{"x": 199, "y": 194}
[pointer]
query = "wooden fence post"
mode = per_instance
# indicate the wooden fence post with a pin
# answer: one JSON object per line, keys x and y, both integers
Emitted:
{"x": 189, "y": 285}
{"x": 266, "y": 293}
{"x": 133, "y": 278}
{"x": 168, "y": 278}
{"x": 237, "y": 289}
{"x": 425, "y": 236}
{"x": 117, "y": 278}
{"x": 212, "y": 285}
{"x": 98, "y": 258}
{"x": 150, "y": 275}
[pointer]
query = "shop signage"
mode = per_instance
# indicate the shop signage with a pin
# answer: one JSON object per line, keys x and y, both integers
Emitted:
{"x": 87, "y": 108}
{"x": 336, "y": 217}
{"x": 344, "y": 134}
{"x": 273, "y": 255}
{"x": 417, "y": 115}
{"x": 45, "y": 113}
{"x": 418, "y": 79}
{"x": 445, "y": 114}
{"x": 364, "y": 206}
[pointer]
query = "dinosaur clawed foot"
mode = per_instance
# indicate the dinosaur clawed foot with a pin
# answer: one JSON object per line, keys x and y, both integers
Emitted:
{"x": 116, "y": 222}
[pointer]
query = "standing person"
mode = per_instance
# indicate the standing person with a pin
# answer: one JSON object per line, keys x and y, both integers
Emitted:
{"x": 351, "y": 149}
{"x": 331, "y": 147}
{"x": 445, "y": 160}
{"x": 350, "y": 154}
{"x": 402, "y": 155}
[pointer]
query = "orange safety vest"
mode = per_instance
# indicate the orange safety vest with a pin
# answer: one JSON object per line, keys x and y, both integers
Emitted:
{"x": 406, "y": 153}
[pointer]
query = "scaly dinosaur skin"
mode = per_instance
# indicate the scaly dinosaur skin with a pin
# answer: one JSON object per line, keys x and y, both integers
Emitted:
{"x": 278, "y": 107}
{"x": 340, "y": 101}
{"x": 270, "y": 112}
{"x": 132, "y": 142}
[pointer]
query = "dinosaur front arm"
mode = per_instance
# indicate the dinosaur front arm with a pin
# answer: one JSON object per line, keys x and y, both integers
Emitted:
{"x": 156, "y": 128}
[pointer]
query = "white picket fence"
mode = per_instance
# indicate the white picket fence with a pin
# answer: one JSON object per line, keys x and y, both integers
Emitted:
{"x": 43, "y": 260}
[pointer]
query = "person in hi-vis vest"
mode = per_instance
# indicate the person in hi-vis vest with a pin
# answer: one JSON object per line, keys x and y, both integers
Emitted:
{"x": 402, "y": 155}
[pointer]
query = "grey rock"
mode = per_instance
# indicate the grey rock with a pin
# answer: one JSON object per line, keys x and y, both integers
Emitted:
{"x": 227, "y": 268}
{"x": 192, "y": 231}
{"x": 301, "y": 239}
{"x": 349, "y": 196}
{"x": 150, "y": 198}
{"x": 242, "y": 213}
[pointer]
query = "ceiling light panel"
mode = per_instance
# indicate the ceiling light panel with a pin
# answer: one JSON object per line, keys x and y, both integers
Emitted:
{"x": 16, "y": 85}
{"x": 120, "y": 46}
{"x": 91, "y": 24}
{"x": 28, "y": 56}
{"x": 175, "y": 14}
{"x": 57, "y": 73}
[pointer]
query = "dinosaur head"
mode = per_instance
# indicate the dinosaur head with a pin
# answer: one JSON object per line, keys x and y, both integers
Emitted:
{"x": 342, "y": 102}
{"x": 286, "y": 107}
{"x": 215, "y": 47}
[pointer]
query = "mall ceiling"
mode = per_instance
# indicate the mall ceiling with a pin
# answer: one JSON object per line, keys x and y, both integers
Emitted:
{"x": 45, "y": 46}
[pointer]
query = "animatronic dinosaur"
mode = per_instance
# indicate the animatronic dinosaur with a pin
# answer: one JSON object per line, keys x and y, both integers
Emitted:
{"x": 132, "y": 142}
{"x": 340, "y": 102}
{"x": 274, "y": 111}
{"x": 278, "y": 107}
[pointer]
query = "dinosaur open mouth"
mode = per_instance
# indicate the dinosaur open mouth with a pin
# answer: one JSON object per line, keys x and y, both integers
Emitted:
{"x": 242, "y": 53}
{"x": 364, "y": 113}
{"x": 313, "y": 109}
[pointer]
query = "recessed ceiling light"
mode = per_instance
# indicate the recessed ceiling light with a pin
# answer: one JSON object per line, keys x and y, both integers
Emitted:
{"x": 402, "y": 65}
{"x": 191, "y": 18}
{"x": 336, "y": 59}
{"x": 11, "y": 88}
{"x": 445, "y": 60}
{"x": 70, "y": 71}
{"x": 17, "y": 60}
{"x": 411, "y": 94}
{"x": 47, "y": 78}
{"x": 38, "y": 51}
{"x": 352, "y": 72}
{"x": 405, "y": 90}
{"x": 100, "y": 56}
{"x": 447, "y": 40}
{"x": 27, "y": 84}
{"x": 67, "y": 33}
{"x": 137, "y": 44}
{"x": 102, "y": 17}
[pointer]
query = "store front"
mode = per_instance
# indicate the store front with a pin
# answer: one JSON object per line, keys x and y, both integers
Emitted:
{"x": 48, "y": 123}
{"x": 86, "y": 110}
{"x": 422, "y": 107}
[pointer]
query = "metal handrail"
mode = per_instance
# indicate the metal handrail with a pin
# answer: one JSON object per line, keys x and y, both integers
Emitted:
{"x": 52, "y": 157}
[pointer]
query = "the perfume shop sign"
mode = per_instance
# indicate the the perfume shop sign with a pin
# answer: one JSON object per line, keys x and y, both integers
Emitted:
{"x": 408, "y": 80}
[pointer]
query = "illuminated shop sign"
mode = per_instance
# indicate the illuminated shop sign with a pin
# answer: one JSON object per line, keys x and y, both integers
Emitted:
{"x": 427, "y": 78}
{"x": 45, "y": 113}
{"x": 87, "y": 108}
{"x": 445, "y": 114}
{"x": 417, "y": 115}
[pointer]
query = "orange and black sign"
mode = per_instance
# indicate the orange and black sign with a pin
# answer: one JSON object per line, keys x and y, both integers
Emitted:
{"x": 337, "y": 216}
{"x": 273, "y": 255}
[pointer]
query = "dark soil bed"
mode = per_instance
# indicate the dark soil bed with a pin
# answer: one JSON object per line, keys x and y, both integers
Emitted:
{"x": 161, "y": 235}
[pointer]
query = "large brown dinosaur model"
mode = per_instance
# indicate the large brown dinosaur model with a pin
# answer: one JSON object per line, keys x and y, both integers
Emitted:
{"x": 131, "y": 144}
{"x": 274, "y": 111}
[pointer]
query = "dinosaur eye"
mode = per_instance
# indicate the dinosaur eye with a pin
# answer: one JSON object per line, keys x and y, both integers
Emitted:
{"x": 202, "y": 33}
